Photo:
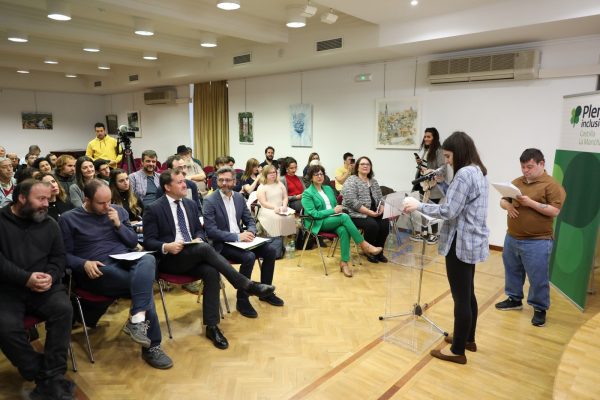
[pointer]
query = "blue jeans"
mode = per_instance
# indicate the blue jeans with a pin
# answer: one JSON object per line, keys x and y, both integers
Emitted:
{"x": 128, "y": 279}
{"x": 531, "y": 257}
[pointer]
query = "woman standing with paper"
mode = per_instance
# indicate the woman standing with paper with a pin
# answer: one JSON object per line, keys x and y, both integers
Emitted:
{"x": 463, "y": 238}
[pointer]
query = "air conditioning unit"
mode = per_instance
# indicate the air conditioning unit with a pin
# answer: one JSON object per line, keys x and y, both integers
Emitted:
{"x": 516, "y": 65}
{"x": 168, "y": 96}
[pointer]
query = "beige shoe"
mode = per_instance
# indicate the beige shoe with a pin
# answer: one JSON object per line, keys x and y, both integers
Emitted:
{"x": 346, "y": 270}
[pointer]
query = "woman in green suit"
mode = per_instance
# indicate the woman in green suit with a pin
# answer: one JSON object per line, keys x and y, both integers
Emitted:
{"x": 319, "y": 202}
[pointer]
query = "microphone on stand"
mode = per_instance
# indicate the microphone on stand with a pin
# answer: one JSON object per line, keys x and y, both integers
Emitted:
{"x": 429, "y": 175}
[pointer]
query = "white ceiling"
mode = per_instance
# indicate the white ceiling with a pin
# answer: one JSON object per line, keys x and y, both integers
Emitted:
{"x": 372, "y": 30}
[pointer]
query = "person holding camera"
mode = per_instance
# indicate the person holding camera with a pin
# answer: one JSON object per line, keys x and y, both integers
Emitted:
{"x": 432, "y": 159}
{"x": 103, "y": 146}
{"x": 342, "y": 173}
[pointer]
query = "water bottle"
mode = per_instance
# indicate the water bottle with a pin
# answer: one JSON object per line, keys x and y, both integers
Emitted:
{"x": 290, "y": 249}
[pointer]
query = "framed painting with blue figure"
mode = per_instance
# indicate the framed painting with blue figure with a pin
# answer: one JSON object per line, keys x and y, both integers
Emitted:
{"x": 397, "y": 123}
{"x": 246, "y": 129}
{"x": 301, "y": 134}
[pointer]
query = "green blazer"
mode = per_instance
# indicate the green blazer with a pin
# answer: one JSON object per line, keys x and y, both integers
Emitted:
{"x": 314, "y": 205}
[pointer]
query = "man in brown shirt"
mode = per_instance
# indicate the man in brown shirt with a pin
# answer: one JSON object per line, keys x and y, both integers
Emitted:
{"x": 529, "y": 240}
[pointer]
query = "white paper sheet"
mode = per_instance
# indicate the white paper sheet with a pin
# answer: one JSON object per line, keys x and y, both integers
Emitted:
{"x": 393, "y": 205}
{"x": 134, "y": 255}
{"x": 249, "y": 245}
{"x": 507, "y": 190}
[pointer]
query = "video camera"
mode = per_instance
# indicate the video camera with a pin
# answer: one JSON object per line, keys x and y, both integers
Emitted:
{"x": 124, "y": 136}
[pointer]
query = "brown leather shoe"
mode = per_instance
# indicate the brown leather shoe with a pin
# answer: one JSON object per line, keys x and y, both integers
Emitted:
{"x": 456, "y": 358}
{"x": 471, "y": 346}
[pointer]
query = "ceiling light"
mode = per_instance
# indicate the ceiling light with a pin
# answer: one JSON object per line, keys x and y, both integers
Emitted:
{"x": 17, "y": 37}
{"x": 49, "y": 60}
{"x": 70, "y": 75}
{"x": 58, "y": 10}
{"x": 91, "y": 47}
{"x": 228, "y": 4}
{"x": 150, "y": 55}
{"x": 308, "y": 10}
{"x": 414, "y": 2}
{"x": 329, "y": 17}
{"x": 143, "y": 27}
{"x": 103, "y": 66}
{"x": 208, "y": 40}
{"x": 294, "y": 19}
{"x": 22, "y": 71}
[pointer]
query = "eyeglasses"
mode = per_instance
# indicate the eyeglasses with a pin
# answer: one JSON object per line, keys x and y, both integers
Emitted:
{"x": 224, "y": 180}
{"x": 319, "y": 174}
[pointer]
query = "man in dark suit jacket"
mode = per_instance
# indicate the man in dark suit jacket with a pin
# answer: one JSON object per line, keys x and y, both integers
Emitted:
{"x": 224, "y": 213}
{"x": 172, "y": 220}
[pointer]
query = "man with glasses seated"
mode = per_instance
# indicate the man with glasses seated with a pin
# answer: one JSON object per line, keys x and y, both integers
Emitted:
{"x": 225, "y": 214}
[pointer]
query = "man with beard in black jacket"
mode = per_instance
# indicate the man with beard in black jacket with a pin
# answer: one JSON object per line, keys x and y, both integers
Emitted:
{"x": 32, "y": 265}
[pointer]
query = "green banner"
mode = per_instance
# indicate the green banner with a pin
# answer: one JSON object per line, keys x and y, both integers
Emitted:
{"x": 576, "y": 226}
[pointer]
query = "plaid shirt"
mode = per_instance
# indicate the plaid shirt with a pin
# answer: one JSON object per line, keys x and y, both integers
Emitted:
{"x": 465, "y": 212}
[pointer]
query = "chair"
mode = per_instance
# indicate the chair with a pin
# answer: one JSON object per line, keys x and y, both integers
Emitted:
{"x": 209, "y": 169}
{"x": 81, "y": 294}
{"x": 30, "y": 321}
{"x": 181, "y": 280}
{"x": 323, "y": 235}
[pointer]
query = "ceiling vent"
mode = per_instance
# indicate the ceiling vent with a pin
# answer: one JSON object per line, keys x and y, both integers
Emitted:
{"x": 166, "y": 96}
{"x": 330, "y": 44}
{"x": 134, "y": 78}
{"x": 97, "y": 83}
{"x": 242, "y": 59}
{"x": 517, "y": 65}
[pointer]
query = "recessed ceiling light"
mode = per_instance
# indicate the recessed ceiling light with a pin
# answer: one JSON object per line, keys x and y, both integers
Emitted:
{"x": 91, "y": 47}
{"x": 294, "y": 19}
{"x": 143, "y": 27}
{"x": 58, "y": 10}
{"x": 70, "y": 75}
{"x": 103, "y": 66}
{"x": 49, "y": 60}
{"x": 22, "y": 71}
{"x": 228, "y": 4}
{"x": 414, "y": 2}
{"x": 208, "y": 40}
{"x": 17, "y": 37}
{"x": 150, "y": 55}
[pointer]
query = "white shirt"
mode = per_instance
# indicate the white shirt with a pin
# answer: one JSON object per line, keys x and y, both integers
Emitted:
{"x": 230, "y": 208}
{"x": 325, "y": 198}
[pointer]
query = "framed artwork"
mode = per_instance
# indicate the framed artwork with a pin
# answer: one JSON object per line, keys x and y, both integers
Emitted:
{"x": 246, "y": 131}
{"x": 398, "y": 123}
{"x": 301, "y": 134}
{"x": 134, "y": 123}
{"x": 112, "y": 125}
{"x": 36, "y": 120}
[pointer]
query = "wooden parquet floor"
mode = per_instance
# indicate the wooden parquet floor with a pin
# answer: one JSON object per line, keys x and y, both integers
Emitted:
{"x": 327, "y": 343}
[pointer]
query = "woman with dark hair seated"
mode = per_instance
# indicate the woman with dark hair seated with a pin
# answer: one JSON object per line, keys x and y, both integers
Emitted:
{"x": 250, "y": 178}
{"x": 313, "y": 156}
{"x": 362, "y": 197}
{"x": 57, "y": 203}
{"x": 84, "y": 172}
{"x": 319, "y": 203}
{"x": 292, "y": 183}
{"x": 123, "y": 196}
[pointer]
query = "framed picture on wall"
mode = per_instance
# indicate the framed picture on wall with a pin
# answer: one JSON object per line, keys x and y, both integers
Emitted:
{"x": 36, "y": 120}
{"x": 134, "y": 123}
{"x": 246, "y": 130}
{"x": 301, "y": 134}
{"x": 398, "y": 123}
{"x": 112, "y": 124}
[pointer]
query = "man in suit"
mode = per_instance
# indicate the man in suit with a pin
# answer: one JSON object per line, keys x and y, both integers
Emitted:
{"x": 172, "y": 220}
{"x": 224, "y": 213}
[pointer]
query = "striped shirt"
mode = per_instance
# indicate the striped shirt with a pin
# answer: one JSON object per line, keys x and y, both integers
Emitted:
{"x": 465, "y": 212}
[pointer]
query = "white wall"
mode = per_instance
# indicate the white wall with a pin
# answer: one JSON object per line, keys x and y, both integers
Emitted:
{"x": 163, "y": 127}
{"x": 503, "y": 117}
{"x": 74, "y": 116}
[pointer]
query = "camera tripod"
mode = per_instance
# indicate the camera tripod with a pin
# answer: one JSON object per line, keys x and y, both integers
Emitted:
{"x": 127, "y": 162}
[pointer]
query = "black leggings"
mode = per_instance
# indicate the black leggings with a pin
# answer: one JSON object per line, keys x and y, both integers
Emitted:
{"x": 461, "y": 278}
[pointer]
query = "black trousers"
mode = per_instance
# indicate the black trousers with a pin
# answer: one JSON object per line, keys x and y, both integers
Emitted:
{"x": 203, "y": 261}
{"x": 376, "y": 229}
{"x": 247, "y": 259}
{"x": 54, "y": 307}
{"x": 461, "y": 278}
